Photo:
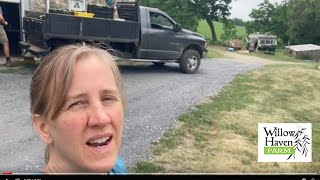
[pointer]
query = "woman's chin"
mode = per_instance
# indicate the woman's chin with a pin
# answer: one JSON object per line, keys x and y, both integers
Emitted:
{"x": 103, "y": 165}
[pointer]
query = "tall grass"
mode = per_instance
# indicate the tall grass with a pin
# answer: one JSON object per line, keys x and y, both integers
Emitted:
{"x": 204, "y": 29}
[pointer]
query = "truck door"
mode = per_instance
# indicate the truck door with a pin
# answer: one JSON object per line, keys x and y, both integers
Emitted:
{"x": 163, "y": 41}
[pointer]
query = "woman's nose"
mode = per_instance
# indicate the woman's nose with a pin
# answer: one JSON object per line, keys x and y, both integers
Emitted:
{"x": 98, "y": 115}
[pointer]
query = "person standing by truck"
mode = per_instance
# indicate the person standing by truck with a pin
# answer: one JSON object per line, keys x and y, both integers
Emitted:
{"x": 4, "y": 40}
{"x": 113, "y": 4}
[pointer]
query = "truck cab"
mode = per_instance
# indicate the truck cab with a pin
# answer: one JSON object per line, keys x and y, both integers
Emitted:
{"x": 162, "y": 38}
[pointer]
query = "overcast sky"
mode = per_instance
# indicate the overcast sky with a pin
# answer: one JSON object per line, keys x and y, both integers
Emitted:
{"x": 242, "y": 8}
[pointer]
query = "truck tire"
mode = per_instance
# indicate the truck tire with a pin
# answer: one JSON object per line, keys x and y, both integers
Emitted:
{"x": 158, "y": 63}
{"x": 190, "y": 61}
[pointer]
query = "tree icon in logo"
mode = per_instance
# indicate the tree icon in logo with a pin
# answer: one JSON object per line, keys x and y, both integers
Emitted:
{"x": 300, "y": 142}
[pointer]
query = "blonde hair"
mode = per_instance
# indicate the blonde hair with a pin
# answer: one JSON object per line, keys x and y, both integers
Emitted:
{"x": 51, "y": 80}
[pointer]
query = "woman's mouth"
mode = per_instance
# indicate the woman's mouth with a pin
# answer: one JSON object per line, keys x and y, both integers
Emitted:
{"x": 100, "y": 142}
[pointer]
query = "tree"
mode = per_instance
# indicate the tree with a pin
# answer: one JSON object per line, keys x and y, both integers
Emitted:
{"x": 249, "y": 25}
{"x": 238, "y": 22}
{"x": 303, "y": 21}
{"x": 261, "y": 18}
{"x": 293, "y": 21}
{"x": 279, "y": 21}
{"x": 269, "y": 18}
{"x": 229, "y": 30}
{"x": 177, "y": 9}
{"x": 211, "y": 10}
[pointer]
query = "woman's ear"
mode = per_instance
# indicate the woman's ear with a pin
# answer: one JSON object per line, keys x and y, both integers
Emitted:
{"x": 42, "y": 128}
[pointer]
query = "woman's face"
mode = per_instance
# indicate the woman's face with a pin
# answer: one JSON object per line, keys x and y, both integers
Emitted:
{"x": 86, "y": 135}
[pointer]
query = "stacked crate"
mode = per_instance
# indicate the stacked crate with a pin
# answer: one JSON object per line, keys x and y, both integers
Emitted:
{"x": 128, "y": 11}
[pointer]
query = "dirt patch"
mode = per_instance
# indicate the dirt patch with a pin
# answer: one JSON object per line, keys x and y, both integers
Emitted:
{"x": 248, "y": 59}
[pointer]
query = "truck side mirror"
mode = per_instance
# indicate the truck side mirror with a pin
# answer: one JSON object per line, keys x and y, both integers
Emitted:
{"x": 177, "y": 27}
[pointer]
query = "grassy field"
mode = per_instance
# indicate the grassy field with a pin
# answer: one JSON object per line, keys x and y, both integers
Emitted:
{"x": 220, "y": 136}
{"x": 214, "y": 52}
{"x": 204, "y": 29}
{"x": 278, "y": 56}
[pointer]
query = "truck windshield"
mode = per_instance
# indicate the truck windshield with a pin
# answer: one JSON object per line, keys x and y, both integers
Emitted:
{"x": 267, "y": 42}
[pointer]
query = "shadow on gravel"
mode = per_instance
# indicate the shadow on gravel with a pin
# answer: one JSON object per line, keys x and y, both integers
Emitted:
{"x": 149, "y": 68}
{"x": 18, "y": 68}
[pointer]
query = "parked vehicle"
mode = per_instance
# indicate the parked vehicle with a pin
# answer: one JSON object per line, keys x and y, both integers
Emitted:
{"x": 262, "y": 42}
{"x": 141, "y": 34}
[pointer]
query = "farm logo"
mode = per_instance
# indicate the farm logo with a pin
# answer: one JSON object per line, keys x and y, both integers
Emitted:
{"x": 284, "y": 142}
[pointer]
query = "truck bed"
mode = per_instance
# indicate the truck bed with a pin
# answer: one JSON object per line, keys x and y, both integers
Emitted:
{"x": 97, "y": 29}
{"x": 39, "y": 28}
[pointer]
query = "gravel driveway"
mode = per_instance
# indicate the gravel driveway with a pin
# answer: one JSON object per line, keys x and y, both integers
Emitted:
{"x": 156, "y": 97}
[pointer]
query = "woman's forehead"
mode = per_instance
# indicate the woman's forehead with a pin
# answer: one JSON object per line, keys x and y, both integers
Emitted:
{"x": 92, "y": 71}
{"x": 93, "y": 61}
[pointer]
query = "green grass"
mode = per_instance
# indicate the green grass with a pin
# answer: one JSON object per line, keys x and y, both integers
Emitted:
{"x": 220, "y": 135}
{"x": 204, "y": 29}
{"x": 278, "y": 56}
{"x": 147, "y": 167}
{"x": 213, "y": 52}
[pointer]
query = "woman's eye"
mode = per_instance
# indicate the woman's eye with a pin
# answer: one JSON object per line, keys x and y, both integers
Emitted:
{"x": 78, "y": 103}
{"x": 109, "y": 98}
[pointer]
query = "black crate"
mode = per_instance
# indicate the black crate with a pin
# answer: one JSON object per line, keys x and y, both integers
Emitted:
{"x": 59, "y": 11}
{"x": 100, "y": 11}
{"x": 128, "y": 11}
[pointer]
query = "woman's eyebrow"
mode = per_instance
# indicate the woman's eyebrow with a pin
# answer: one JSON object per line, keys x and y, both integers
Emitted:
{"x": 83, "y": 95}
{"x": 109, "y": 91}
{"x": 77, "y": 96}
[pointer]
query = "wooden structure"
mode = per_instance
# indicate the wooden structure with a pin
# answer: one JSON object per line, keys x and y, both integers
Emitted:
{"x": 304, "y": 51}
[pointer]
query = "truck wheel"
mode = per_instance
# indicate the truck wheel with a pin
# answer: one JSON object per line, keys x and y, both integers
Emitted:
{"x": 189, "y": 61}
{"x": 158, "y": 63}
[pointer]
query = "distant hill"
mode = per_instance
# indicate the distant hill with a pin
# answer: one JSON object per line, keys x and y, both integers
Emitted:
{"x": 204, "y": 29}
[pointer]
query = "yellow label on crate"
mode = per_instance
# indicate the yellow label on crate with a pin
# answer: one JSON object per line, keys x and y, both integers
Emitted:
{"x": 83, "y": 14}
